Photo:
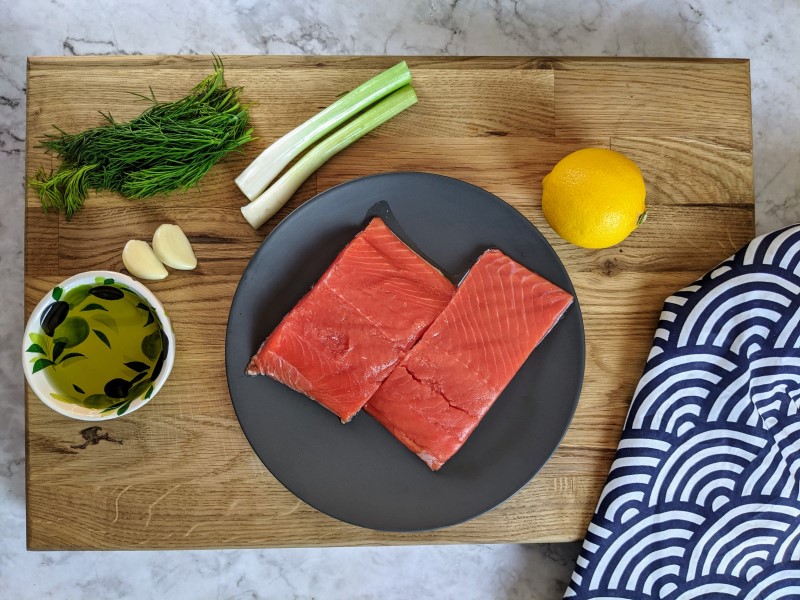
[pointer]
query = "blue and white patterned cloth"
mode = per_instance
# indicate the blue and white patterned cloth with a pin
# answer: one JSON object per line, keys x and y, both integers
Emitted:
{"x": 703, "y": 499}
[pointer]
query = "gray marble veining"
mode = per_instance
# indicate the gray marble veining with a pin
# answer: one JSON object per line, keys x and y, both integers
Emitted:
{"x": 764, "y": 32}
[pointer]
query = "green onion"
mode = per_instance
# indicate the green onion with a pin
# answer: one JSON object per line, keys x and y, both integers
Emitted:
{"x": 263, "y": 170}
{"x": 271, "y": 201}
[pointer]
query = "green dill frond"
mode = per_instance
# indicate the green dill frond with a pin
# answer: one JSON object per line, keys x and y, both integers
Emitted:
{"x": 168, "y": 147}
{"x": 64, "y": 190}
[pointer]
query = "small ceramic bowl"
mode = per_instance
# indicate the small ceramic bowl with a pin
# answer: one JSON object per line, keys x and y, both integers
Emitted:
{"x": 39, "y": 358}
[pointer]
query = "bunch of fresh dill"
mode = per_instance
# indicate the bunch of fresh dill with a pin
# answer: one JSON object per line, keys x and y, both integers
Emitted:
{"x": 168, "y": 147}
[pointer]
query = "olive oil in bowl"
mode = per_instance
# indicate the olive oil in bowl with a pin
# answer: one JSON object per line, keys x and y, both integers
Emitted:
{"x": 100, "y": 346}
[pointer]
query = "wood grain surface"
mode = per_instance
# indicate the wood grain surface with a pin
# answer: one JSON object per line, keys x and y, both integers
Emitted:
{"x": 184, "y": 475}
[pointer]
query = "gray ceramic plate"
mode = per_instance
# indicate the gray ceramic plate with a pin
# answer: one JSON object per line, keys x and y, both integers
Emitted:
{"x": 358, "y": 472}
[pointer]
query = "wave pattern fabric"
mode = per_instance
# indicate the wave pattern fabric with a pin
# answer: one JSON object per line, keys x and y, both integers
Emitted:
{"x": 702, "y": 499}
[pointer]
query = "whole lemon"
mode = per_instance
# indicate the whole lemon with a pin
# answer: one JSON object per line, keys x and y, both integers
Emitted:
{"x": 594, "y": 198}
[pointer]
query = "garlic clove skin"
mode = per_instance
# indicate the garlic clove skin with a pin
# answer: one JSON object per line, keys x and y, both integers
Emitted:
{"x": 172, "y": 247}
{"x": 140, "y": 260}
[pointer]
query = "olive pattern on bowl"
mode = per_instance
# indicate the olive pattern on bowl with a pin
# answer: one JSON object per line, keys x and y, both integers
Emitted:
{"x": 101, "y": 346}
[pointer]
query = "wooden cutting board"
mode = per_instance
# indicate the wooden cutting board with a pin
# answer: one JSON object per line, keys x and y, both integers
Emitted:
{"x": 183, "y": 474}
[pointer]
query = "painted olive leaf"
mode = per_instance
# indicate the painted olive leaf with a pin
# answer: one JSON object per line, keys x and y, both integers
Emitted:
{"x": 139, "y": 377}
{"x": 138, "y": 389}
{"x": 94, "y": 306}
{"x": 123, "y": 409}
{"x": 134, "y": 393}
{"x": 35, "y": 348}
{"x": 114, "y": 406}
{"x": 148, "y": 310}
{"x": 149, "y": 393}
{"x": 57, "y": 291}
{"x": 97, "y": 401}
{"x": 77, "y": 389}
{"x": 37, "y": 338}
{"x": 102, "y": 336}
{"x": 158, "y": 366}
{"x": 42, "y": 363}
{"x": 58, "y": 349}
{"x": 137, "y": 366}
{"x": 106, "y": 320}
{"x": 69, "y": 356}
{"x": 77, "y": 295}
{"x": 108, "y": 281}
{"x": 161, "y": 357}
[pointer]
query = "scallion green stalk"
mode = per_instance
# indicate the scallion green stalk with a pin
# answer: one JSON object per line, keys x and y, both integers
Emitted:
{"x": 267, "y": 204}
{"x": 256, "y": 177}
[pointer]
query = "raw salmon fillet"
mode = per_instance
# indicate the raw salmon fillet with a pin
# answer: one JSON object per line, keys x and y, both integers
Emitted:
{"x": 443, "y": 387}
{"x": 340, "y": 342}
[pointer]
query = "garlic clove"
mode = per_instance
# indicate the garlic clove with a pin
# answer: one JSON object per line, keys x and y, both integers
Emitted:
{"x": 172, "y": 247}
{"x": 139, "y": 258}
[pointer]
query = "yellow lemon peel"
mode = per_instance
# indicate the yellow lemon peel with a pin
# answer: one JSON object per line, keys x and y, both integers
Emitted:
{"x": 594, "y": 198}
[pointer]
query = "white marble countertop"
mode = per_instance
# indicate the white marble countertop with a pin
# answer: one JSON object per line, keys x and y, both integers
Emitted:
{"x": 765, "y": 32}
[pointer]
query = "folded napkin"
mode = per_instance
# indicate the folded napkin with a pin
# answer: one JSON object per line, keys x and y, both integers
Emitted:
{"x": 703, "y": 500}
